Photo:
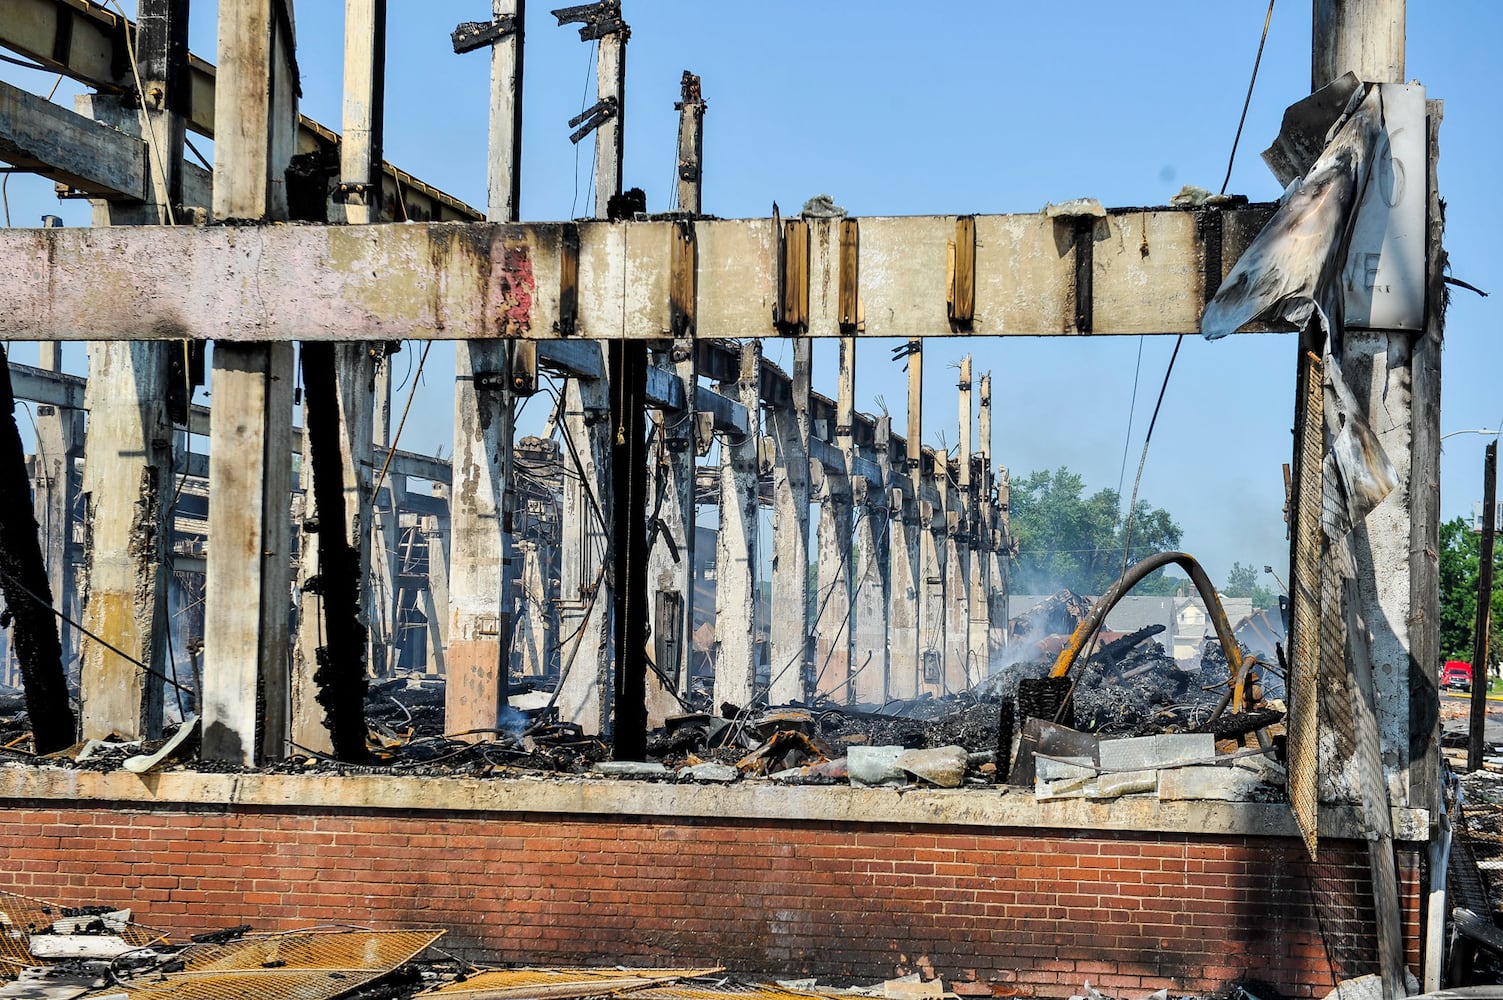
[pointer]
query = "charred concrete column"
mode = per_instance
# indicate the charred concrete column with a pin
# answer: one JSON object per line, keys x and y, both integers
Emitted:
{"x": 903, "y": 532}
{"x": 691, "y": 109}
{"x": 352, "y": 412}
{"x": 384, "y": 548}
{"x": 673, "y": 621}
{"x": 250, "y": 431}
{"x": 788, "y": 628}
{"x": 482, "y": 574}
{"x": 999, "y": 589}
{"x": 931, "y": 580}
{"x": 534, "y": 632}
{"x": 23, "y": 582}
{"x": 1390, "y": 605}
{"x": 129, "y": 441}
{"x": 586, "y": 653}
{"x": 382, "y": 544}
{"x": 869, "y": 634}
{"x": 55, "y": 488}
{"x": 436, "y": 532}
{"x": 736, "y": 546}
{"x": 832, "y": 592}
{"x": 476, "y": 653}
{"x": 350, "y": 409}
{"x": 130, "y": 433}
{"x": 979, "y": 516}
{"x": 957, "y": 616}
{"x": 670, "y": 568}
{"x": 959, "y": 667}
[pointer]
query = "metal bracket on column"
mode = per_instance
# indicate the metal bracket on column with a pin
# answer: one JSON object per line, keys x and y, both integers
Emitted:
{"x": 1085, "y": 265}
{"x": 472, "y": 35}
{"x": 850, "y": 276}
{"x": 682, "y": 283}
{"x": 704, "y": 432}
{"x": 568, "y": 282}
{"x": 599, "y": 19}
{"x": 593, "y": 117}
{"x": 961, "y": 301}
{"x": 524, "y": 367}
{"x": 790, "y": 313}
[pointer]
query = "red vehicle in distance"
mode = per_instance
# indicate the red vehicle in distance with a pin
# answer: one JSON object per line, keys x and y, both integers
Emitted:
{"x": 1456, "y": 676}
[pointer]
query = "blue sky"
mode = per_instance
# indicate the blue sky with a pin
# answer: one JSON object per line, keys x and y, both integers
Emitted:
{"x": 897, "y": 109}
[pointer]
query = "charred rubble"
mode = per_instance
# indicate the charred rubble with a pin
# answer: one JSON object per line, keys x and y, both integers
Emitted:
{"x": 1130, "y": 686}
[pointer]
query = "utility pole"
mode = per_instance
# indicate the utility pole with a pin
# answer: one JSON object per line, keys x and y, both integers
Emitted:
{"x": 1480, "y": 651}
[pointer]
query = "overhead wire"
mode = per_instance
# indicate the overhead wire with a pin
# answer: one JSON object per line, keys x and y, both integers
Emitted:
{"x": 584, "y": 98}
{"x": 1179, "y": 340}
{"x": 47, "y": 605}
{"x": 401, "y": 423}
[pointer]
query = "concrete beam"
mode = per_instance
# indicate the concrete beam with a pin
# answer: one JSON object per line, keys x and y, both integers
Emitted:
{"x": 38, "y": 385}
{"x": 483, "y": 280}
{"x": 69, "y": 148}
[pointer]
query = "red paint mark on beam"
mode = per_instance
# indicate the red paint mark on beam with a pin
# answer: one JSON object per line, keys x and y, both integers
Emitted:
{"x": 513, "y": 286}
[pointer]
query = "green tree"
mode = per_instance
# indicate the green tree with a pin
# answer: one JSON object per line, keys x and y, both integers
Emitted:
{"x": 1243, "y": 581}
{"x": 1068, "y": 539}
{"x": 1460, "y": 567}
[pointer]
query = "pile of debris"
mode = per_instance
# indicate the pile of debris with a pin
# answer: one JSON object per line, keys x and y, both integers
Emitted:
{"x": 49, "y": 952}
{"x": 1128, "y": 686}
{"x": 15, "y": 729}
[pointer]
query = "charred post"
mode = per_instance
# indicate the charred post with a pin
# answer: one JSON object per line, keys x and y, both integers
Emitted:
{"x": 340, "y": 676}
{"x": 628, "y": 366}
{"x": 1480, "y": 652}
{"x": 28, "y": 596}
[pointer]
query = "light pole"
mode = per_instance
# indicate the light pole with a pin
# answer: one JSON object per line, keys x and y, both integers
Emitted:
{"x": 1493, "y": 431}
{"x": 1282, "y": 586}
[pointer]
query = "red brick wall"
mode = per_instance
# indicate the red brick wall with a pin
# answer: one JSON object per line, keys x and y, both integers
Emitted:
{"x": 1028, "y": 912}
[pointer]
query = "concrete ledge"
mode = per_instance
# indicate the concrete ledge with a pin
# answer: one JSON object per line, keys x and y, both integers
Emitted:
{"x": 981, "y": 807}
